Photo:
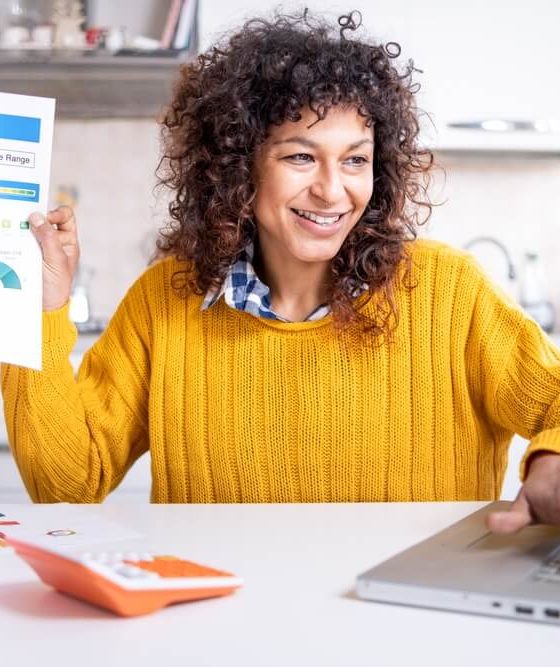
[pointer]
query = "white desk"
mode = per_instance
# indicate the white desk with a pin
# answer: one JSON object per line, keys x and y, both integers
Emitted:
{"x": 296, "y": 609}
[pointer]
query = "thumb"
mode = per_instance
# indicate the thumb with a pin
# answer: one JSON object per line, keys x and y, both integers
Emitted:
{"x": 517, "y": 517}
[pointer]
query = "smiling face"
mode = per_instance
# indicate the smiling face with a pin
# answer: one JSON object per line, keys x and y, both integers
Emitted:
{"x": 314, "y": 181}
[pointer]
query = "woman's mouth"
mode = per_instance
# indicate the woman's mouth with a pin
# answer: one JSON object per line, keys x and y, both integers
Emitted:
{"x": 321, "y": 220}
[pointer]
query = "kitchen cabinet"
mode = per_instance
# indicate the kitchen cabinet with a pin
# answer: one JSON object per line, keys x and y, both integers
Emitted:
{"x": 92, "y": 85}
{"x": 487, "y": 61}
{"x": 493, "y": 63}
{"x": 487, "y": 64}
{"x": 97, "y": 84}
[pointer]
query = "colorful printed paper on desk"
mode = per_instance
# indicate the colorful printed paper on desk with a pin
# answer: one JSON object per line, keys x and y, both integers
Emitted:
{"x": 26, "y": 129}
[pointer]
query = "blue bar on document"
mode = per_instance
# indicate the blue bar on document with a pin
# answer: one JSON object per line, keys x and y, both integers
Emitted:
{"x": 20, "y": 128}
{"x": 19, "y": 191}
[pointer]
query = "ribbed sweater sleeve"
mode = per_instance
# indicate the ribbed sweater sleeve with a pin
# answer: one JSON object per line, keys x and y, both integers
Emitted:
{"x": 74, "y": 438}
{"x": 529, "y": 392}
{"x": 515, "y": 369}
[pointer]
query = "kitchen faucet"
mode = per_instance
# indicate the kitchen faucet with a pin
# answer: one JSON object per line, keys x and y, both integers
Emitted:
{"x": 532, "y": 297}
{"x": 489, "y": 239}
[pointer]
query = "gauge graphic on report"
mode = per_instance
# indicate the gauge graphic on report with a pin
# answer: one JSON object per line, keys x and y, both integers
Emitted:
{"x": 9, "y": 279}
{"x": 13, "y": 233}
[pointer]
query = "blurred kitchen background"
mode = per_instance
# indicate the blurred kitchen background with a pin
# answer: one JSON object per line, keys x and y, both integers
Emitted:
{"x": 489, "y": 85}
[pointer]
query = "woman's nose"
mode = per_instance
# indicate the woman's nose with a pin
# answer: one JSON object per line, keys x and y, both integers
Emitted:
{"x": 329, "y": 186}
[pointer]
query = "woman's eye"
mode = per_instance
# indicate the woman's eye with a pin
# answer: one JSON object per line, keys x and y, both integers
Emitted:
{"x": 301, "y": 158}
{"x": 358, "y": 160}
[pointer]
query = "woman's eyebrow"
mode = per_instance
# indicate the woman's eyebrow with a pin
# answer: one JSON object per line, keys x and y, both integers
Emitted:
{"x": 303, "y": 141}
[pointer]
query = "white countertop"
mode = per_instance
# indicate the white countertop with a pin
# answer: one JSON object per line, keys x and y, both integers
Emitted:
{"x": 297, "y": 608}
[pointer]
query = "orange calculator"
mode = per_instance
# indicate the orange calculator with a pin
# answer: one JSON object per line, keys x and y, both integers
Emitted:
{"x": 128, "y": 584}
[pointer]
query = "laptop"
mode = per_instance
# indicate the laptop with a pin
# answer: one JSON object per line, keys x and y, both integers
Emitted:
{"x": 465, "y": 568}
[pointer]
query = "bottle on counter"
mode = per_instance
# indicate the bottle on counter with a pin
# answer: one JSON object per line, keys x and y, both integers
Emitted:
{"x": 533, "y": 292}
{"x": 79, "y": 309}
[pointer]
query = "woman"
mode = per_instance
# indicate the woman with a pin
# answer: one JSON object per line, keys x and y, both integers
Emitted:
{"x": 296, "y": 342}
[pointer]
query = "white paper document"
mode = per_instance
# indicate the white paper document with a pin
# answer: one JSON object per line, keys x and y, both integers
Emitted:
{"x": 62, "y": 527}
{"x": 26, "y": 130}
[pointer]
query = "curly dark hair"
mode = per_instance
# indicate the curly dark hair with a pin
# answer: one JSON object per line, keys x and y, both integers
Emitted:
{"x": 223, "y": 106}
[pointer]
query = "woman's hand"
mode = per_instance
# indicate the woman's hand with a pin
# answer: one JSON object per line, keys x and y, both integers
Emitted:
{"x": 539, "y": 498}
{"x": 58, "y": 238}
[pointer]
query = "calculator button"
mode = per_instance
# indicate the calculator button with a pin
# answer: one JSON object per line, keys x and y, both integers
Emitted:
{"x": 131, "y": 556}
{"x": 131, "y": 572}
{"x": 115, "y": 557}
{"x": 102, "y": 557}
{"x": 172, "y": 567}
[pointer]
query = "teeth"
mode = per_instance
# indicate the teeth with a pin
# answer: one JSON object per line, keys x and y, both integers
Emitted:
{"x": 324, "y": 221}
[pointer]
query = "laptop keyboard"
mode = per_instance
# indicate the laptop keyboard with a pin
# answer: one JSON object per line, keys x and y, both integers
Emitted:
{"x": 550, "y": 568}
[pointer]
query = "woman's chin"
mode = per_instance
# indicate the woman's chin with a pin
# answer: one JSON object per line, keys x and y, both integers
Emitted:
{"x": 319, "y": 253}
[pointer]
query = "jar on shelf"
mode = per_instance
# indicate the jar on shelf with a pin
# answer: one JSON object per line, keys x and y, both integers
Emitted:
{"x": 23, "y": 22}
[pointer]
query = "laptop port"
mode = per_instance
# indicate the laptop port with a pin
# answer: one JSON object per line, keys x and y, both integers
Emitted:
{"x": 526, "y": 611}
{"x": 497, "y": 604}
{"x": 552, "y": 613}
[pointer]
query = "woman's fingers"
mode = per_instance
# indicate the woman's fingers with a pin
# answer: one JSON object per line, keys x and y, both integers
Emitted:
{"x": 515, "y": 518}
{"x": 69, "y": 243}
{"x": 538, "y": 500}
{"x": 47, "y": 237}
{"x": 63, "y": 218}
{"x": 57, "y": 235}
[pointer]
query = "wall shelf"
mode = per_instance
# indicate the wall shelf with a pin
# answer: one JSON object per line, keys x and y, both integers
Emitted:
{"x": 91, "y": 84}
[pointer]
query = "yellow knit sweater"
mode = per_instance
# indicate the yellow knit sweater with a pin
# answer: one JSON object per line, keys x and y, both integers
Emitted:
{"x": 239, "y": 409}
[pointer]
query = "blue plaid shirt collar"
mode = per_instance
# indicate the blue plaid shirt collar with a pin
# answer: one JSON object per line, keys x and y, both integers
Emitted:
{"x": 243, "y": 290}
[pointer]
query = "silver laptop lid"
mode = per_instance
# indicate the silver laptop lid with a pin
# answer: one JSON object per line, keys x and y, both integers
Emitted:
{"x": 466, "y": 568}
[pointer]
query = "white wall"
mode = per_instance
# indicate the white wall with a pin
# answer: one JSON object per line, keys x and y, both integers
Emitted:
{"x": 112, "y": 165}
{"x": 512, "y": 199}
